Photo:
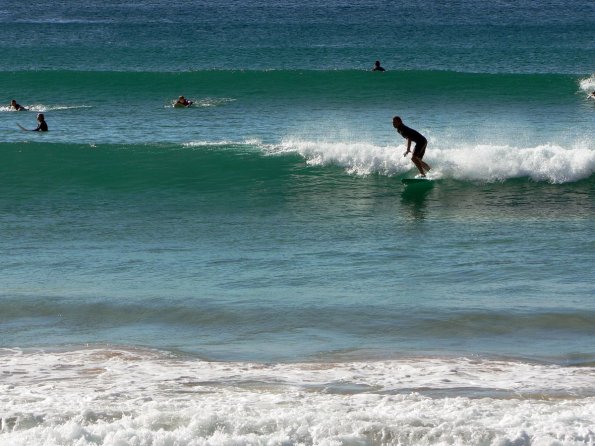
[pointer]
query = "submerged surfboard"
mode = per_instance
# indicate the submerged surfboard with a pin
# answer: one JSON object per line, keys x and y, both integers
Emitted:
{"x": 407, "y": 181}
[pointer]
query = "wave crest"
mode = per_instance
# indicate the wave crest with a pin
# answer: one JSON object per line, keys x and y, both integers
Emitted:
{"x": 483, "y": 162}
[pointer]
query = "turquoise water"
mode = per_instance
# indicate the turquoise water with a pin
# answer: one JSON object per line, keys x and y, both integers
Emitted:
{"x": 251, "y": 270}
{"x": 213, "y": 242}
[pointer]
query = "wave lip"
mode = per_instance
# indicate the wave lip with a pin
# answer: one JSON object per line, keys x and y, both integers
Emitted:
{"x": 152, "y": 164}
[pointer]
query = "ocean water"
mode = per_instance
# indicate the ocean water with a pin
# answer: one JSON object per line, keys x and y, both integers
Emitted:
{"x": 251, "y": 270}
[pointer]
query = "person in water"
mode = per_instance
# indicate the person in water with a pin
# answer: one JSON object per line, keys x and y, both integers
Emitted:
{"x": 42, "y": 126}
{"x": 15, "y": 106}
{"x": 420, "y": 144}
{"x": 377, "y": 66}
{"x": 183, "y": 102}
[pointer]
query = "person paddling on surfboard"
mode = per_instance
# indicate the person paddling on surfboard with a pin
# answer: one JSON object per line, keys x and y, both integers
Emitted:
{"x": 420, "y": 145}
{"x": 182, "y": 102}
{"x": 17, "y": 107}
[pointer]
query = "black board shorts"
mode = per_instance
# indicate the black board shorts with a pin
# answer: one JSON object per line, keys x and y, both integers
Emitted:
{"x": 420, "y": 149}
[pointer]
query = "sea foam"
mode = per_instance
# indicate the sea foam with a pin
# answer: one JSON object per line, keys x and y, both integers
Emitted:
{"x": 588, "y": 84}
{"x": 481, "y": 162}
{"x": 117, "y": 396}
{"x": 43, "y": 108}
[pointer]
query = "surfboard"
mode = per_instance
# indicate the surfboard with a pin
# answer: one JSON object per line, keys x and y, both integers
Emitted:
{"x": 408, "y": 181}
{"x": 22, "y": 128}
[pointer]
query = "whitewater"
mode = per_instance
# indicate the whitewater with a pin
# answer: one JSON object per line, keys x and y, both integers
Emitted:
{"x": 109, "y": 396}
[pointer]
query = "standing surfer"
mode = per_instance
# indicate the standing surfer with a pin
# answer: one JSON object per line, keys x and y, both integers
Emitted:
{"x": 420, "y": 144}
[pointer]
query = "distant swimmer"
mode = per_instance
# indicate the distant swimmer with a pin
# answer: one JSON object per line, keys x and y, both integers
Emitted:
{"x": 592, "y": 95}
{"x": 420, "y": 144}
{"x": 183, "y": 102}
{"x": 377, "y": 66}
{"x": 16, "y": 107}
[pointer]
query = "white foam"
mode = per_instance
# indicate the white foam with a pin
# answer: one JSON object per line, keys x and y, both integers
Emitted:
{"x": 551, "y": 163}
{"x": 588, "y": 84}
{"x": 248, "y": 144}
{"x": 205, "y": 102}
{"x": 359, "y": 158}
{"x": 212, "y": 102}
{"x": 207, "y": 143}
{"x": 41, "y": 108}
{"x": 118, "y": 396}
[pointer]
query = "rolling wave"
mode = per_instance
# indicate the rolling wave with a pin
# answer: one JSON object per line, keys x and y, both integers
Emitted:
{"x": 170, "y": 164}
{"x": 340, "y": 85}
{"x": 197, "y": 314}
